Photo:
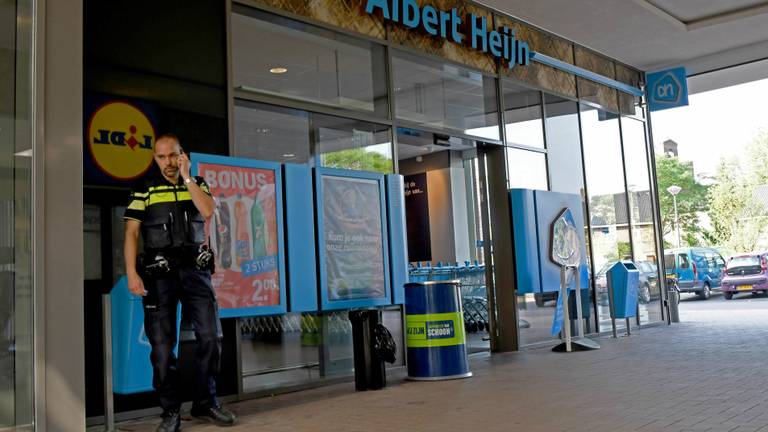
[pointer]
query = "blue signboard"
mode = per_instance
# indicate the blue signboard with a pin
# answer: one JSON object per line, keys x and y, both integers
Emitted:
{"x": 667, "y": 89}
{"x": 353, "y": 245}
{"x": 558, "y": 318}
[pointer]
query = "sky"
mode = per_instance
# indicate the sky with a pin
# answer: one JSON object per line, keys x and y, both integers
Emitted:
{"x": 716, "y": 124}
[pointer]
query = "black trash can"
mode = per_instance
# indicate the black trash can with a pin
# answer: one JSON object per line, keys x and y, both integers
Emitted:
{"x": 370, "y": 373}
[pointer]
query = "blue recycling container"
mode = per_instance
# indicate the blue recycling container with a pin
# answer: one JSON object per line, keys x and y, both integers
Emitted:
{"x": 623, "y": 281}
{"x": 131, "y": 368}
{"x": 435, "y": 338}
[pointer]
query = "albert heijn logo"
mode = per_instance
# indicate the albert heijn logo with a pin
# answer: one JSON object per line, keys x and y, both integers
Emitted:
{"x": 667, "y": 89}
{"x": 120, "y": 138}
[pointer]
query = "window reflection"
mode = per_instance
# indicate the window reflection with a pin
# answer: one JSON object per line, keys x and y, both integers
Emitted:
{"x": 350, "y": 144}
{"x": 642, "y": 218}
{"x": 607, "y": 199}
{"x": 445, "y": 96}
{"x": 526, "y": 169}
{"x": 522, "y": 115}
{"x": 266, "y": 132}
{"x": 296, "y": 60}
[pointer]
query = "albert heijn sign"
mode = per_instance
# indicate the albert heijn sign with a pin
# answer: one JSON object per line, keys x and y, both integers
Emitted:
{"x": 667, "y": 89}
{"x": 470, "y": 30}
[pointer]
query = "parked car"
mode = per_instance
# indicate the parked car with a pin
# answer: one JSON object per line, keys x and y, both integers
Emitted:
{"x": 647, "y": 288}
{"x": 697, "y": 269}
{"x": 746, "y": 273}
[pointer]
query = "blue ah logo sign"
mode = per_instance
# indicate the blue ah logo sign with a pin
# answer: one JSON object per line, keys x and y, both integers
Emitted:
{"x": 667, "y": 89}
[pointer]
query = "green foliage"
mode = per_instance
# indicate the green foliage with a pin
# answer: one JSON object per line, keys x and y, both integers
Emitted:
{"x": 691, "y": 199}
{"x": 739, "y": 220}
{"x": 358, "y": 159}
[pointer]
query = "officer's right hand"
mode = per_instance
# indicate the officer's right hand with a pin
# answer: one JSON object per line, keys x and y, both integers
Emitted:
{"x": 136, "y": 285}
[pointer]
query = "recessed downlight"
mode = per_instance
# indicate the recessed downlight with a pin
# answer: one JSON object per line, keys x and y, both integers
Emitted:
{"x": 278, "y": 70}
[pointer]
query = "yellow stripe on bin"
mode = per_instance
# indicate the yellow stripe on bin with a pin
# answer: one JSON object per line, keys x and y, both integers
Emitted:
{"x": 434, "y": 330}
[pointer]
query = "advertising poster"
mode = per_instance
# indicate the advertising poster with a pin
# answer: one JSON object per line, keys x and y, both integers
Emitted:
{"x": 244, "y": 235}
{"x": 353, "y": 240}
{"x": 417, "y": 217}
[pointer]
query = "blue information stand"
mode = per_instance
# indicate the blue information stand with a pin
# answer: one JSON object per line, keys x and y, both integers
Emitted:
{"x": 131, "y": 369}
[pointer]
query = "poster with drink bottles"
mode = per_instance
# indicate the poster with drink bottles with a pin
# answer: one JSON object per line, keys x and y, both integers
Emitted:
{"x": 245, "y": 233}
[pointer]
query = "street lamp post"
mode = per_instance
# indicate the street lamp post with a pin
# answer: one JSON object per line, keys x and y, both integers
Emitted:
{"x": 674, "y": 190}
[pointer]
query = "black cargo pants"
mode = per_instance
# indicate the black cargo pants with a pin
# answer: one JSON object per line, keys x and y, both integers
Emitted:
{"x": 192, "y": 287}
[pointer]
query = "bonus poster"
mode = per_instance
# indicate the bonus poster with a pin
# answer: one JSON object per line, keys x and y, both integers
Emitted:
{"x": 353, "y": 242}
{"x": 244, "y": 235}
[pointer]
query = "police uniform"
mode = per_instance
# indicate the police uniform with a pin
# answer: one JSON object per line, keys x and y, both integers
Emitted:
{"x": 172, "y": 227}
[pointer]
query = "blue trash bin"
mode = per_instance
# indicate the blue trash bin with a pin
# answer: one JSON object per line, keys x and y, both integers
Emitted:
{"x": 435, "y": 338}
{"x": 623, "y": 281}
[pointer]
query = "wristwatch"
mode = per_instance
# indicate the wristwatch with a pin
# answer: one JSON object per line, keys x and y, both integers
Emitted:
{"x": 188, "y": 180}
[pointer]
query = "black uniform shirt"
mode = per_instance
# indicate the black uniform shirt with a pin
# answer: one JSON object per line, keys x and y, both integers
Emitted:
{"x": 168, "y": 217}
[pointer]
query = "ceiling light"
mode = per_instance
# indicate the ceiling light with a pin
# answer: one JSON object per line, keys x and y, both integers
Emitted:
{"x": 289, "y": 155}
{"x": 24, "y": 153}
{"x": 278, "y": 70}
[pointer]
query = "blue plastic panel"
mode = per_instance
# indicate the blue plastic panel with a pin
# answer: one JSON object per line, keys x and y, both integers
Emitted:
{"x": 282, "y": 305}
{"x": 131, "y": 368}
{"x": 526, "y": 241}
{"x": 548, "y": 207}
{"x": 300, "y": 238}
{"x": 326, "y": 302}
{"x": 397, "y": 236}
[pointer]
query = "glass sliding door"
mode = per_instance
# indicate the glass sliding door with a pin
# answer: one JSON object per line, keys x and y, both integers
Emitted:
{"x": 16, "y": 206}
{"x": 641, "y": 216}
{"x": 603, "y": 164}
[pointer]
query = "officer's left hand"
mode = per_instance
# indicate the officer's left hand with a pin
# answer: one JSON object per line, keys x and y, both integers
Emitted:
{"x": 184, "y": 165}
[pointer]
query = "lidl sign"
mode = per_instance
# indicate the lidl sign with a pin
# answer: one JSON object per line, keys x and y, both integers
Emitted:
{"x": 667, "y": 89}
{"x": 471, "y": 30}
{"x": 120, "y": 139}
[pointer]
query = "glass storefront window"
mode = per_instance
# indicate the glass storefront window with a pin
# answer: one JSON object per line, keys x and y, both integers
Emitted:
{"x": 526, "y": 169}
{"x": 522, "y": 115}
{"x": 440, "y": 95}
{"x": 266, "y": 132}
{"x": 564, "y": 145}
{"x": 350, "y": 144}
{"x": 16, "y": 218}
{"x": 286, "y": 58}
{"x": 607, "y": 200}
{"x": 641, "y": 216}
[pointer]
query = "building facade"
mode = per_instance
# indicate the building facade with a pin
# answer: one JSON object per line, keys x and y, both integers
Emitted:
{"x": 462, "y": 112}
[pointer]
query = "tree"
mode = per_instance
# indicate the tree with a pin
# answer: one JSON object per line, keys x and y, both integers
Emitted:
{"x": 691, "y": 199}
{"x": 739, "y": 219}
{"x": 358, "y": 159}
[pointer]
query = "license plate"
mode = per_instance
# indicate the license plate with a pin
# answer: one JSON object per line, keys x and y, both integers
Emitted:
{"x": 744, "y": 288}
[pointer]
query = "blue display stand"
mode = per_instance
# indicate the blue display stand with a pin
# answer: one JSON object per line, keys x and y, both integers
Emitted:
{"x": 532, "y": 213}
{"x": 131, "y": 369}
{"x": 435, "y": 338}
{"x": 623, "y": 282}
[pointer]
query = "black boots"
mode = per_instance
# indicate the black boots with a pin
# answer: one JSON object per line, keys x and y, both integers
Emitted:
{"x": 171, "y": 422}
{"x": 216, "y": 414}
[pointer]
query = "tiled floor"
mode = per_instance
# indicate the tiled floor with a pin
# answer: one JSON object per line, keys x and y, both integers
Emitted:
{"x": 709, "y": 373}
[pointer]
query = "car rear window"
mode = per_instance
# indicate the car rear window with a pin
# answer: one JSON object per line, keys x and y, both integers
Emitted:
{"x": 669, "y": 262}
{"x": 748, "y": 261}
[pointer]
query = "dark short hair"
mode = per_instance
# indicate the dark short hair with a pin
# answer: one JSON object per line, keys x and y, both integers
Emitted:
{"x": 166, "y": 136}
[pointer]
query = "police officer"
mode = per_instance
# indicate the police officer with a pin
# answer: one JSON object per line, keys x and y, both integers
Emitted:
{"x": 169, "y": 210}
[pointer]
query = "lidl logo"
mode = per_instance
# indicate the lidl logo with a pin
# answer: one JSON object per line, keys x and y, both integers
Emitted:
{"x": 667, "y": 89}
{"x": 120, "y": 139}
